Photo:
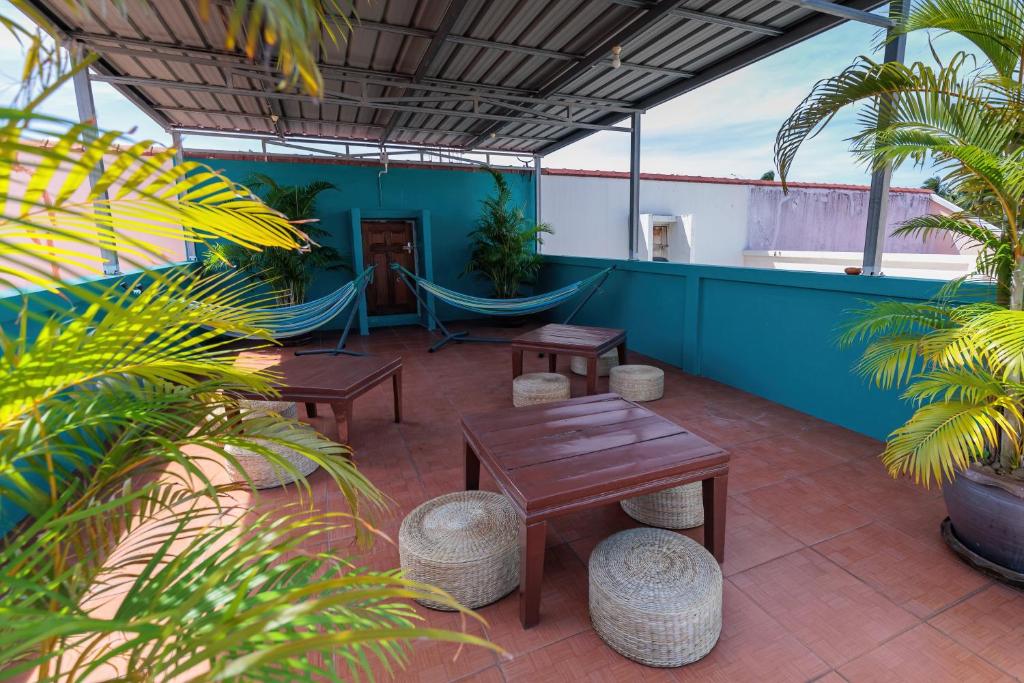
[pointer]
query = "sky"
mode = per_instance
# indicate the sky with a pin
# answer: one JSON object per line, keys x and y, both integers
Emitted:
{"x": 726, "y": 128}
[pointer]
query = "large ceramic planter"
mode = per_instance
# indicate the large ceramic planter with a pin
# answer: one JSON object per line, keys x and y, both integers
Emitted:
{"x": 986, "y": 522}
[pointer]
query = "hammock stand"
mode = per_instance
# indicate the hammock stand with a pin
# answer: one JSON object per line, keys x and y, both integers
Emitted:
{"x": 499, "y": 307}
{"x": 365, "y": 278}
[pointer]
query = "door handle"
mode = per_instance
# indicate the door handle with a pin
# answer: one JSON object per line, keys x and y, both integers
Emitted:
{"x": 407, "y": 247}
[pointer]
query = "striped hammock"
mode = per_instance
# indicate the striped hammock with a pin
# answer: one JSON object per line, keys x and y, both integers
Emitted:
{"x": 519, "y": 306}
{"x": 283, "y": 322}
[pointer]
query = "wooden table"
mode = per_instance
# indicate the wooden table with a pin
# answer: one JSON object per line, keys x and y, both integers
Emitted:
{"x": 589, "y": 342}
{"x": 335, "y": 380}
{"x": 558, "y": 458}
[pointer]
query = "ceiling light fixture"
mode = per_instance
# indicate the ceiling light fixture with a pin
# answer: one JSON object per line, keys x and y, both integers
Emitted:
{"x": 616, "y": 53}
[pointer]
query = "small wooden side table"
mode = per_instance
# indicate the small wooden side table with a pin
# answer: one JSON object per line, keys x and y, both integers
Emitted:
{"x": 558, "y": 458}
{"x": 589, "y": 342}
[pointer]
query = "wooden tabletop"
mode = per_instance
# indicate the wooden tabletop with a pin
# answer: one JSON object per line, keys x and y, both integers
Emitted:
{"x": 570, "y": 337}
{"x": 553, "y": 457}
{"x": 325, "y": 378}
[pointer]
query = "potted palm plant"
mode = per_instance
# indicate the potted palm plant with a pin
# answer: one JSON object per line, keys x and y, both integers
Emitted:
{"x": 959, "y": 363}
{"x": 503, "y": 246}
{"x": 288, "y": 272}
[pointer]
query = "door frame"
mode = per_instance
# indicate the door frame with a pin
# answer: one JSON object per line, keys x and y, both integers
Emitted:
{"x": 424, "y": 262}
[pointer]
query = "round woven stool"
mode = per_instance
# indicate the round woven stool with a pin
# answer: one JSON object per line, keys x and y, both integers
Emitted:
{"x": 655, "y": 596}
{"x": 637, "y": 382}
{"x": 539, "y": 387}
{"x": 264, "y": 408}
{"x": 605, "y": 362}
{"x": 466, "y": 543}
{"x": 680, "y": 507}
{"x": 261, "y": 472}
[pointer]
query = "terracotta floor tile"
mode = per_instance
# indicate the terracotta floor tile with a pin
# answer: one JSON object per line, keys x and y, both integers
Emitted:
{"x": 990, "y": 624}
{"x": 753, "y": 647}
{"x": 921, "y": 655}
{"x": 833, "y": 613}
{"x": 583, "y": 657}
{"x": 768, "y": 461}
{"x": 791, "y": 613}
{"x": 920, "y": 576}
{"x": 803, "y": 509}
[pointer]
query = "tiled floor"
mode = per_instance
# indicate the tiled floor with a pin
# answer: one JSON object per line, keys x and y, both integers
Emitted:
{"x": 834, "y": 572}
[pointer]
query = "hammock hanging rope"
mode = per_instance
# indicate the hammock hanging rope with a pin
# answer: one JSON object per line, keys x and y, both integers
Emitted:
{"x": 497, "y": 307}
{"x": 284, "y": 322}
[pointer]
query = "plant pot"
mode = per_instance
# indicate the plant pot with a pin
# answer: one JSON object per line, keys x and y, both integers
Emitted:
{"x": 986, "y": 522}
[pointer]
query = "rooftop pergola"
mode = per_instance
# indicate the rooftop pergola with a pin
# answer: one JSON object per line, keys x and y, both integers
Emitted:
{"x": 525, "y": 77}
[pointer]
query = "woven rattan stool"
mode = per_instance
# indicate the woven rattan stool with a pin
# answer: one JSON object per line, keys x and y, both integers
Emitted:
{"x": 680, "y": 507}
{"x": 539, "y": 387}
{"x": 605, "y": 362}
{"x": 263, "y": 408}
{"x": 655, "y": 596}
{"x": 259, "y": 469}
{"x": 637, "y": 382}
{"x": 466, "y": 543}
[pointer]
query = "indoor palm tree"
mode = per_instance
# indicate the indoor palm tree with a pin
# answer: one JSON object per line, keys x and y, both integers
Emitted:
{"x": 959, "y": 364}
{"x": 287, "y": 271}
{"x": 504, "y": 246}
{"x": 126, "y": 553}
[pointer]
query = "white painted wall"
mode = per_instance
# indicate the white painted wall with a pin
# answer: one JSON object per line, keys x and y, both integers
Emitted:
{"x": 590, "y": 217}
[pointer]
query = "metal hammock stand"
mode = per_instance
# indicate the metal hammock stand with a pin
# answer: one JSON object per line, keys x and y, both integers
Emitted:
{"x": 364, "y": 279}
{"x": 498, "y": 307}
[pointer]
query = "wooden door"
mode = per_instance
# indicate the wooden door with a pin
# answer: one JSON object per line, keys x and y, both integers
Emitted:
{"x": 384, "y": 243}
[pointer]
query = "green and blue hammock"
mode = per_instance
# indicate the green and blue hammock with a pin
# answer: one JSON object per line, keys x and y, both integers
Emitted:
{"x": 496, "y": 307}
{"x": 283, "y": 322}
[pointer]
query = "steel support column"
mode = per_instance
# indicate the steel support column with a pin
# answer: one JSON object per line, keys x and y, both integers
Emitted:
{"x": 634, "y": 184}
{"x": 179, "y": 156}
{"x": 537, "y": 219}
{"x": 87, "y": 114}
{"x": 878, "y": 198}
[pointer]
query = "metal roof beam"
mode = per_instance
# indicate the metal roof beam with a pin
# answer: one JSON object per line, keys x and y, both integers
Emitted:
{"x": 346, "y": 101}
{"x": 141, "y": 49}
{"x": 292, "y": 119}
{"x": 706, "y": 17}
{"x": 842, "y": 11}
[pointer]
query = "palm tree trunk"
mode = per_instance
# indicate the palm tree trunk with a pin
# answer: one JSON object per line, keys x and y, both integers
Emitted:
{"x": 1008, "y": 457}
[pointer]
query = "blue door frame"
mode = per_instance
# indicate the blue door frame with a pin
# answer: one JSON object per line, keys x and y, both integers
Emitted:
{"x": 421, "y": 221}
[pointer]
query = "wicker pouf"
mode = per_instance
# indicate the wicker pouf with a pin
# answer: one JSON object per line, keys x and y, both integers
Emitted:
{"x": 680, "y": 507}
{"x": 261, "y": 472}
{"x": 605, "y": 362}
{"x": 655, "y": 596}
{"x": 466, "y": 543}
{"x": 539, "y": 387}
{"x": 637, "y": 382}
{"x": 264, "y": 408}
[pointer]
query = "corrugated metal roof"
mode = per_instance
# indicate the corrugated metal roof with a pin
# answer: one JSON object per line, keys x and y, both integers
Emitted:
{"x": 524, "y": 76}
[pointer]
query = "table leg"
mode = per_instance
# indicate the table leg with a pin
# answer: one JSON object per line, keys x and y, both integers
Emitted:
{"x": 396, "y": 387}
{"x": 311, "y": 409}
{"x": 552, "y": 362}
{"x": 714, "y": 493}
{"x": 531, "y": 571}
{"x": 472, "y": 468}
{"x": 517, "y": 362}
{"x": 622, "y": 352}
{"x": 343, "y": 413}
{"x": 591, "y": 375}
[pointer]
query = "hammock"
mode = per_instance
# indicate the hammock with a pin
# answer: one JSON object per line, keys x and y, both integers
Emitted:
{"x": 499, "y": 307}
{"x": 283, "y": 322}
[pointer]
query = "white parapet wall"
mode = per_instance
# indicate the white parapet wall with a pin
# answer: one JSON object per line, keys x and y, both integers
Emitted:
{"x": 931, "y": 266}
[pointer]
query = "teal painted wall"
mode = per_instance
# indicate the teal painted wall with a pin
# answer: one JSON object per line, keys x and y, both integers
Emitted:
{"x": 451, "y": 195}
{"x": 769, "y": 332}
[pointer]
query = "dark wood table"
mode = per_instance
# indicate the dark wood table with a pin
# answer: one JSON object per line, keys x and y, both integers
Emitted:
{"x": 589, "y": 342}
{"x": 334, "y": 380}
{"x": 558, "y": 458}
